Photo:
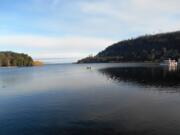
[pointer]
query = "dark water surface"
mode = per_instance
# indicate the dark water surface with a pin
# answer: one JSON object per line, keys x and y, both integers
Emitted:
{"x": 109, "y": 99}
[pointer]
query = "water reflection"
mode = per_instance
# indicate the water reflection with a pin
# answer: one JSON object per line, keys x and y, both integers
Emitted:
{"x": 71, "y": 100}
{"x": 146, "y": 76}
{"x": 172, "y": 68}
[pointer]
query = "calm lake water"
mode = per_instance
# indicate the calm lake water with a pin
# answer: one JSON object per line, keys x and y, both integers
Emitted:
{"x": 109, "y": 99}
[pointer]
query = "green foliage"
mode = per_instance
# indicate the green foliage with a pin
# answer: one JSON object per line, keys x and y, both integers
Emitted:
{"x": 15, "y": 59}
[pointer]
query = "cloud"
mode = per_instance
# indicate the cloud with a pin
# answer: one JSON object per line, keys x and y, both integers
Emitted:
{"x": 142, "y": 16}
{"x": 55, "y": 46}
{"x": 102, "y": 18}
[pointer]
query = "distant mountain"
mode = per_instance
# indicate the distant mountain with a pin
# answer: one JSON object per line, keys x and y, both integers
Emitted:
{"x": 15, "y": 59}
{"x": 153, "y": 48}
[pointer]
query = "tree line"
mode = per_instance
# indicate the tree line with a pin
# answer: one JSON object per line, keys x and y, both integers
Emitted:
{"x": 15, "y": 59}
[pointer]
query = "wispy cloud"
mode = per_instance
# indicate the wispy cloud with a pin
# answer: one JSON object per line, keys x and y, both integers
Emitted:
{"x": 137, "y": 15}
{"x": 57, "y": 46}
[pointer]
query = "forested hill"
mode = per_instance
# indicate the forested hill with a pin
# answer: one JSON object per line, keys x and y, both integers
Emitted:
{"x": 152, "y": 48}
{"x": 15, "y": 59}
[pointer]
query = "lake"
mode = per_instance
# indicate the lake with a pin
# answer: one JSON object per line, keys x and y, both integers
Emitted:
{"x": 108, "y": 99}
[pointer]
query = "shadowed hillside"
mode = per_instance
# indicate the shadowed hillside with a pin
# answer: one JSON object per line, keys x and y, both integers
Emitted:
{"x": 153, "y": 48}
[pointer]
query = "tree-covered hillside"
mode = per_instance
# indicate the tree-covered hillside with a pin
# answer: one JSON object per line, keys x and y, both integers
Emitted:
{"x": 145, "y": 48}
{"x": 15, "y": 59}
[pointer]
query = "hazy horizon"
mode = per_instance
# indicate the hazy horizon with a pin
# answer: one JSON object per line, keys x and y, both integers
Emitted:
{"x": 57, "y": 60}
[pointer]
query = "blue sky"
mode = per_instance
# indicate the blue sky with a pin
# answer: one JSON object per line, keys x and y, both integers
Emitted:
{"x": 77, "y": 28}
